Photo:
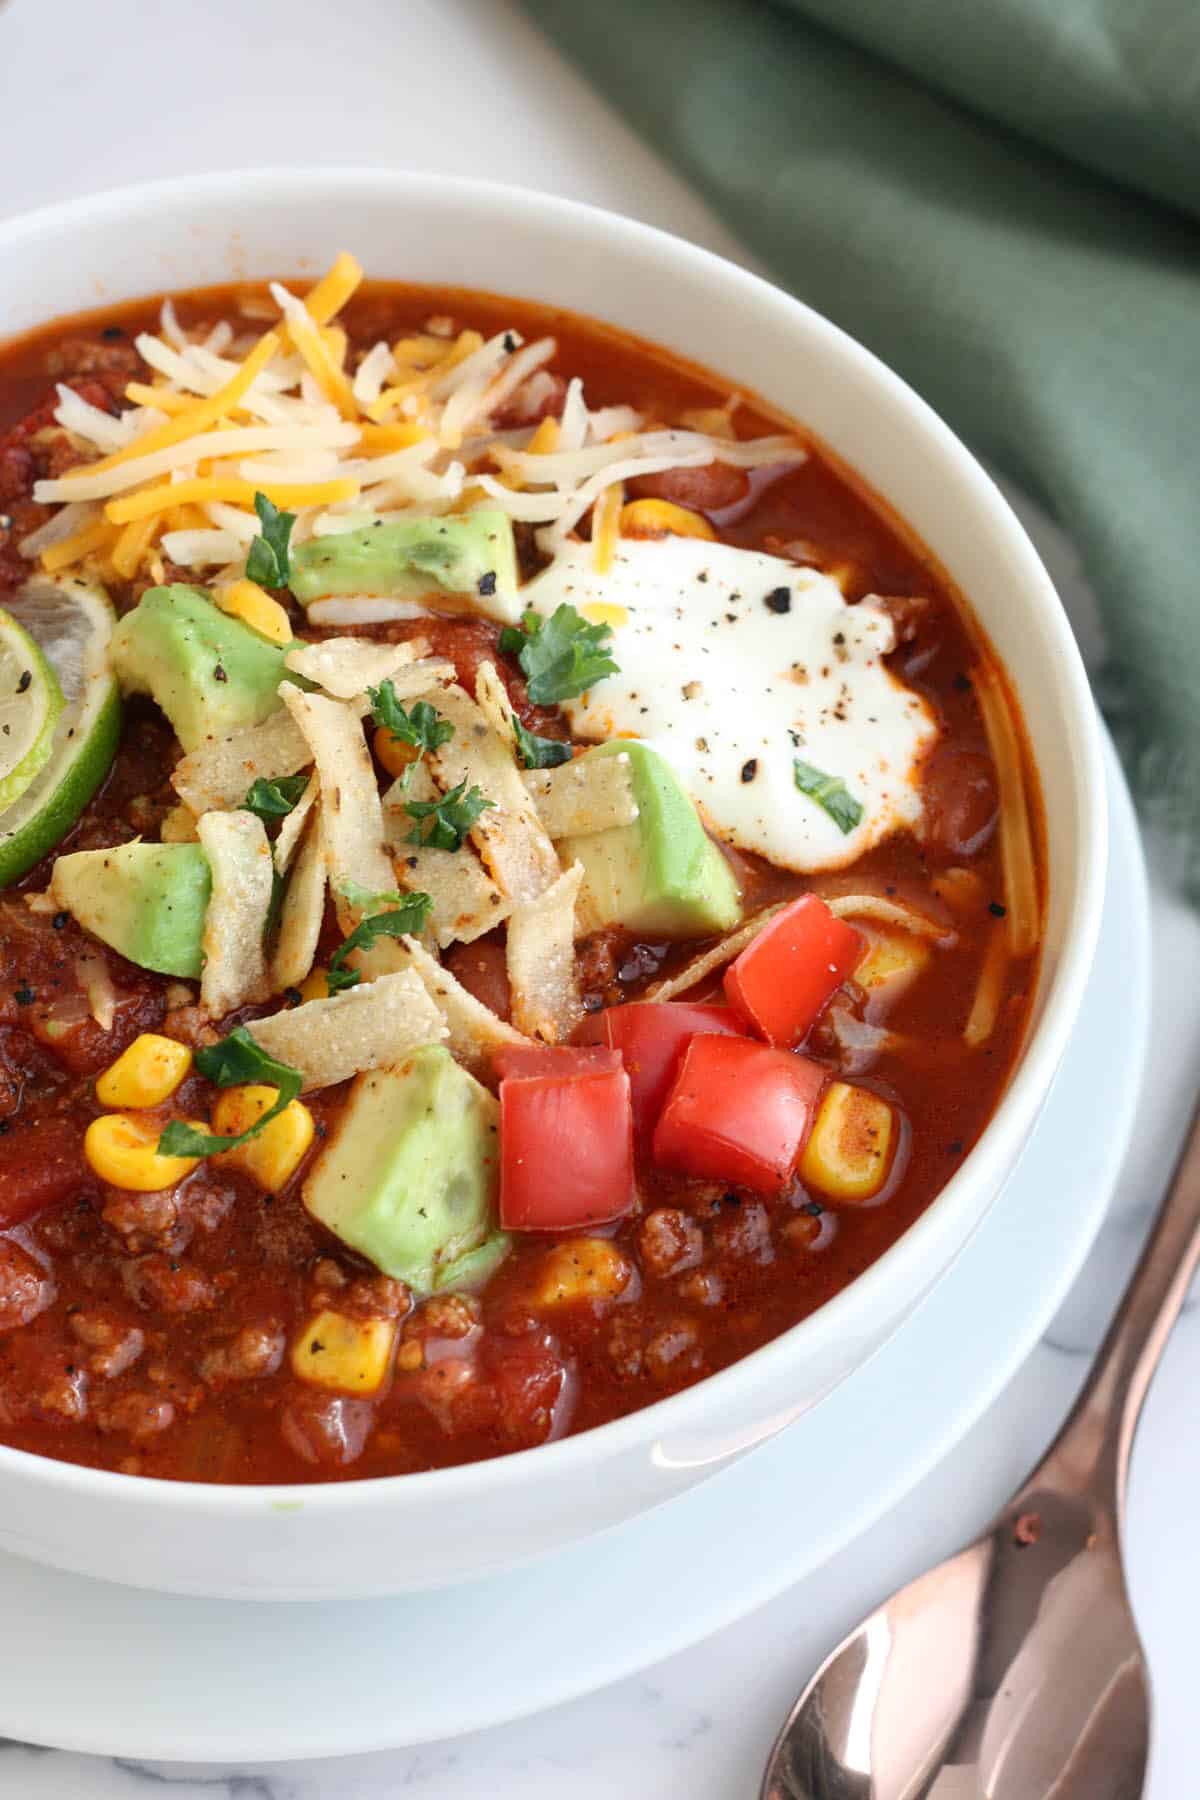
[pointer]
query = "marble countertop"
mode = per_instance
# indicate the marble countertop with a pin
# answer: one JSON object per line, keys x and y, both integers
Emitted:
{"x": 700, "y": 1723}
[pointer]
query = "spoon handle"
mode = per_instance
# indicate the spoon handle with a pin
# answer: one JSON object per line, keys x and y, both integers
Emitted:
{"x": 1091, "y": 1453}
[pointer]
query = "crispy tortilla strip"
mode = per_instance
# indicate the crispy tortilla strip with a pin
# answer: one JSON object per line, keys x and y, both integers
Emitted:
{"x": 239, "y": 854}
{"x": 178, "y": 826}
{"x": 466, "y": 901}
{"x": 541, "y": 961}
{"x": 423, "y": 677}
{"x": 889, "y": 912}
{"x": 491, "y": 697}
{"x": 351, "y": 816}
{"x": 509, "y": 836}
{"x": 292, "y": 829}
{"x": 346, "y": 666}
{"x": 217, "y": 775}
{"x": 474, "y": 1030}
{"x": 302, "y": 912}
{"x": 589, "y": 794}
{"x": 367, "y": 1027}
{"x": 694, "y": 972}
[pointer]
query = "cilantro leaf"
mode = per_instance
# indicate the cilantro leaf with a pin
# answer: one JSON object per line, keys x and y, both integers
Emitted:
{"x": 539, "y": 752}
{"x": 234, "y": 1060}
{"x": 561, "y": 656}
{"x": 422, "y": 726}
{"x": 830, "y": 793}
{"x": 268, "y": 562}
{"x": 447, "y": 820}
{"x": 275, "y": 799}
{"x": 407, "y": 916}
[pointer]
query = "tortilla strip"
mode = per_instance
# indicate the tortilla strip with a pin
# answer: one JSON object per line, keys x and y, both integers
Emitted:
{"x": 217, "y": 775}
{"x": 694, "y": 972}
{"x": 541, "y": 961}
{"x": 235, "y": 966}
{"x": 347, "y": 666}
{"x": 474, "y": 1029}
{"x": 592, "y": 793}
{"x": 178, "y": 826}
{"x": 351, "y": 816}
{"x": 370, "y": 1026}
{"x": 890, "y": 912}
{"x": 509, "y": 835}
{"x": 302, "y": 913}
{"x": 292, "y": 828}
{"x": 466, "y": 901}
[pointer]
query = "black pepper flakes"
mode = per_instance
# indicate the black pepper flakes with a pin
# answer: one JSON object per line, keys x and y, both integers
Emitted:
{"x": 112, "y": 332}
{"x": 962, "y": 683}
{"x": 293, "y": 996}
{"x": 59, "y": 920}
{"x": 487, "y": 583}
{"x": 750, "y": 769}
{"x": 997, "y": 911}
{"x": 779, "y": 600}
{"x": 26, "y": 678}
{"x": 24, "y": 995}
{"x": 955, "y": 1147}
{"x": 510, "y": 342}
{"x": 219, "y": 674}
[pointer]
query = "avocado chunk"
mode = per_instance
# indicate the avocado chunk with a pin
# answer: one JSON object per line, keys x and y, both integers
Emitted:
{"x": 210, "y": 673}
{"x": 409, "y": 1180}
{"x": 474, "y": 1268}
{"x": 408, "y": 559}
{"x": 146, "y": 901}
{"x": 662, "y": 874}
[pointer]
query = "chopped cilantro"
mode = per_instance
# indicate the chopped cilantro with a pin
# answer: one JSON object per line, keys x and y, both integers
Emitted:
{"x": 443, "y": 824}
{"x": 234, "y": 1060}
{"x": 404, "y": 915}
{"x": 274, "y": 799}
{"x": 268, "y": 562}
{"x": 539, "y": 752}
{"x": 561, "y": 656}
{"x": 830, "y": 793}
{"x": 422, "y": 726}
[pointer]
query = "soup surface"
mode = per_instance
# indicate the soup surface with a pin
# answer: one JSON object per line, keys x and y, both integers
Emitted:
{"x": 536, "y": 1189}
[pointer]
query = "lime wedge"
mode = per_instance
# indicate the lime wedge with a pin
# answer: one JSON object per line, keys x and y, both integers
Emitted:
{"x": 30, "y": 702}
{"x": 69, "y": 624}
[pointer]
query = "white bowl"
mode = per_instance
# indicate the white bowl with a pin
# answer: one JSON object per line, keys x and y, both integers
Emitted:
{"x": 412, "y": 1531}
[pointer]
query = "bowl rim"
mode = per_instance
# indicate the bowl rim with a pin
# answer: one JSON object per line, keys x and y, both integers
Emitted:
{"x": 985, "y": 1163}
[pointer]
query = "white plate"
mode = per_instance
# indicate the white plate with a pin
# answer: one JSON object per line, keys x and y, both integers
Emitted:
{"x": 122, "y": 1672}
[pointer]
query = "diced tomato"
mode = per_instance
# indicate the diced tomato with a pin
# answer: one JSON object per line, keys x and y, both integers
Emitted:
{"x": 520, "y": 1062}
{"x": 651, "y": 1036}
{"x": 783, "y": 980}
{"x": 566, "y": 1150}
{"x": 738, "y": 1112}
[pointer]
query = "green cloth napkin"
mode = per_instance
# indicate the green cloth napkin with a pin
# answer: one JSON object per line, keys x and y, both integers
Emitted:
{"x": 1000, "y": 198}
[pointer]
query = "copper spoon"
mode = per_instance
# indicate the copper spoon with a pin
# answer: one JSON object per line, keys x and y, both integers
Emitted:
{"x": 1013, "y": 1670}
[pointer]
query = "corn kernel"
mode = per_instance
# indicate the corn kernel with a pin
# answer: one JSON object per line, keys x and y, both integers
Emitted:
{"x": 893, "y": 960}
{"x": 121, "y": 1148}
{"x": 713, "y": 421}
{"x": 582, "y": 1269}
{"x": 315, "y": 986}
{"x": 145, "y": 1074}
{"x": 662, "y": 518}
{"x": 848, "y": 1154}
{"x": 272, "y": 1157}
{"x": 246, "y": 601}
{"x": 392, "y": 752}
{"x": 351, "y": 1355}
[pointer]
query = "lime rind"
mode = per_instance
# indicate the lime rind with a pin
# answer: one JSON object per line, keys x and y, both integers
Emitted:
{"x": 30, "y": 707}
{"x": 84, "y": 739}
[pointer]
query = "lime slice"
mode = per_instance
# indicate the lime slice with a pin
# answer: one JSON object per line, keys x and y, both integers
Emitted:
{"x": 30, "y": 702}
{"x": 69, "y": 624}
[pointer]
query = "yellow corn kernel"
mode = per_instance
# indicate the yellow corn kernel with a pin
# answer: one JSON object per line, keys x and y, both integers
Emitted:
{"x": 145, "y": 1074}
{"x": 893, "y": 960}
{"x": 121, "y": 1149}
{"x": 581, "y": 1269}
{"x": 315, "y": 986}
{"x": 848, "y": 1154}
{"x": 394, "y": 754}
{"x": 713, "y": 421}
{"x": 272, "y": 1157}
{"x": 246, "y": 601}
{"x": 351, "y": 1355}
{"x": 662, "y": 518}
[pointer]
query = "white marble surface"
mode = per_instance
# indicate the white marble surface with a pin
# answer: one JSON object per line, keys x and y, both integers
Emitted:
{"x": 372, "y": 81}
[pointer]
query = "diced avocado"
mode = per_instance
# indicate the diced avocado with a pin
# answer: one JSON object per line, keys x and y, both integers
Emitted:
{"x": 473, "y": 1268}
{"x": 409, "y": 1180}
{"x": 145, "y": 900}
{"x": 662, "y": 874}
{"x": 469, "y": 553}
{"x": 210, "y": 673}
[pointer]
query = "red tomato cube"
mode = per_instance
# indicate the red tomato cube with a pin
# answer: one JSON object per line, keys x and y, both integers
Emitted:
{"x": 566, "y": 1150}
{"x": 651, "y": 1036}
{"x": 784, "y": 979}
{"x": 738, "y": 1112}
{"x": 520, "y": 1061}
